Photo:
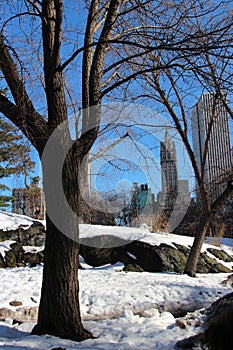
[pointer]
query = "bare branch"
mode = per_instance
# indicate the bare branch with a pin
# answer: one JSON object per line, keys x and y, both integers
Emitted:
{"x": 104, "y": 150}
{"x": 32, "y": 125}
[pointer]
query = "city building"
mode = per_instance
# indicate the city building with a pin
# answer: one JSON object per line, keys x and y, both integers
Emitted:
{"x": 167, "y": 197}
{"x": 142, "y": 204}
{"x": 183, "y": 190}
{"x": 210, "y": 122}
{"x": 30, "y": 202}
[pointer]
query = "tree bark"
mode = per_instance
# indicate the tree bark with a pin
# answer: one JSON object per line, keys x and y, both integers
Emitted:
{"x": 191, "y": 264}
{"x": 59, "y": 313}
{"x": 59, "y": 310}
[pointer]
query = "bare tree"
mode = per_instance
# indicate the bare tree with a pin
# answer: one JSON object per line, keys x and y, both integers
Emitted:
{"x": 176, "y": 89}
{"x": 36, "y": 57}
{"x": 59, "y": 312}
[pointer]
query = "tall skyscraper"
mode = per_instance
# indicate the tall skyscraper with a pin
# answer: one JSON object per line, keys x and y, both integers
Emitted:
{"x": 169, "y": 175}
{"x": 210, "y": 122}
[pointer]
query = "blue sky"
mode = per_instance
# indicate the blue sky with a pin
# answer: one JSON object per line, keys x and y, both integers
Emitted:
{"x": 140, "y": 161}
{"x": 125, "y": 151}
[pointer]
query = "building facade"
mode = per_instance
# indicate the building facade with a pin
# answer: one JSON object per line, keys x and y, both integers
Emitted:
{"x": 211, "y": 141}
{"x": 168, "y": 161}
{"x": 142, "y": 204}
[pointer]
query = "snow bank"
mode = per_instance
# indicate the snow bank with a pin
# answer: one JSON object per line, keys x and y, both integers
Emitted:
{"x": 11, "y": 221}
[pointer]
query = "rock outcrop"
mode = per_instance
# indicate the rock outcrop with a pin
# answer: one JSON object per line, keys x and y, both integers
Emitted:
{"x": 217, "y": 324}
{"x": 162, "y": 258}
{"x": 220, "y": 254}
{"x": 108, "y": 249}
{"x": 27, "y": 236}
{"x": 17, "y": 257}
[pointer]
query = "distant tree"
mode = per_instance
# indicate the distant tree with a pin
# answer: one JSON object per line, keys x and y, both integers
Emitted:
{"x": 33, "y": 192}
{"x": 30, "y": 200}
{"x": 14, "y": 157}
{"x": 121, "y": 203}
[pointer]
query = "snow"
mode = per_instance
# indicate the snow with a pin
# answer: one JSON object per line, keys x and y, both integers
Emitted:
{"x": 124, "y": 311}
{"x": 4, "y": 246}
{"x": 10, "y": 221}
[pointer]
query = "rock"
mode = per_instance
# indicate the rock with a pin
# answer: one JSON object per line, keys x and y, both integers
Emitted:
{"x": 182, "y": 248}
{"x": 218, "y": 333}
{"x": 32, "y": 236}
{"x": 97, "y": 257}
{"x": 20, "y": 264}
{"x": 33, "y": 259}
{"x": 2, "y": 262}
{"x": 14, "y": 256}
{"x": 191, "y": 319}
{"x": 217, "y": 327}
{"x": 15, "y": 303}
{"x": 6, "y": 313}
{"x": 219, "y": 306}
{"x": 132, "y": 268}
{"x": 146, "y": 256}
{"x": 228, "y": 282}
{"x": 206, "y": 264}
{"x": 18, "y": 251}
{"x": 102, "y": 250}
{"x": 191, "y": 342}
{"x": 162, "y": 258}
{"x": 220, "y": 254}
{"x": 173, "y": 260}
{"x": 10, "y": 259}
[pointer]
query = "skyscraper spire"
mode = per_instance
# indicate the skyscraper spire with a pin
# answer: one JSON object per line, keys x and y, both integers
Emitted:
{"x": 169, "y": 170}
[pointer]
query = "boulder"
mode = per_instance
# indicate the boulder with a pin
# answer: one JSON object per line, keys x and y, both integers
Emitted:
{"x": 145, "y": 256}
{"x": 102, "y": 250}
{"x": 162, "y": 258}
{"x": 2, "y": 262}
{"x": 17, "y": 249}
{"x": 228, "y": 282}
{"x": 173, "y": 260}
{"x": 218, "y": 319}
{"x": 98, "y": 256}
{"x": 16, "y": 257}
{"x": 10, "y": 259}
{"x": 206, "y": 264}
{"x": 32, "y": 236}
{"x": 132, "y": 268}
{"x": 220, "y": 254}
{"x": 33, "y": 259}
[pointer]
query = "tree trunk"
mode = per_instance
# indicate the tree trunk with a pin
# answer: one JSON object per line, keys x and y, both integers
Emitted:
{"x": 59, "y": 310}
{"x": 191, "y": 264}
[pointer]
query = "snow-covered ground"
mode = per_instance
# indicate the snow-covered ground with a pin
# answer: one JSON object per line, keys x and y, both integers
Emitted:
{"x": 10, "y": 221}
{"x": 124, "y": 311}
